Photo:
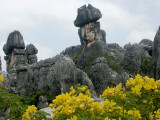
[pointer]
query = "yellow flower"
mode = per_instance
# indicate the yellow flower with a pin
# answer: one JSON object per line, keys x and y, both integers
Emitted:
{"x": 107, "y": 118}
{"x": 157, "y": 114}
{"x": 144, "y": 101}
{"x": 135, "y": 113}
{"x": 74, "y": 117}
{"x": 51, "y": 106}
{"x": 31, "y": 109}
{"x": 1, "y": 78}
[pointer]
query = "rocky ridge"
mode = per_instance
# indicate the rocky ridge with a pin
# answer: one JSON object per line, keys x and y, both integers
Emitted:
{"x": 94, "y": 63}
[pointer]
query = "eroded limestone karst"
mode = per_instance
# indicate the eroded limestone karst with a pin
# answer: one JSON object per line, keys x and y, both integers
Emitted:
{"x": 94, "y": 63}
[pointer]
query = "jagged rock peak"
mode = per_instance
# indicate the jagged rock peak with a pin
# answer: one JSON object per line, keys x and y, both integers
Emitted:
{"x": 87, "y": 14}
{"x": 31, "y": 49}
{"x": 15, "y": 40}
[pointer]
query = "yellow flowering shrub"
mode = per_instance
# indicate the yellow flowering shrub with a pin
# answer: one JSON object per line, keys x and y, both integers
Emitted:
{"x": 1, "y": 78}
{"x": 137, "y": 100}
{"x": 32, "y": 114}
{"x": 31, "y": 109}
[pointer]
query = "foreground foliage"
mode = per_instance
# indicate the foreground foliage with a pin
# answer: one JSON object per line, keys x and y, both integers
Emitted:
{"x": 139, "y": 99}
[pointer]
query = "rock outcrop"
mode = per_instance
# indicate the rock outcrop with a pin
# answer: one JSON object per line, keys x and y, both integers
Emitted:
{"x": 147, "y": 45}
{"x": 42, "y": 102}
{"x": 31, "y": 52}
{"x": 156, "y": 56}
{"x": 95, "y": 57}
{"x": 87, "y": 14}
{"x": 133, "y": 58}
{"x": 93, "y": 63}
{"x": 54, "y": 75}
{"x": 91, "y": 32}
{"x": 15, "y": 40}
{"x": 4, "y": 113}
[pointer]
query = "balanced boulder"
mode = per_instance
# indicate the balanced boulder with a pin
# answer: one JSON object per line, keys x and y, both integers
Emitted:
{"x": 15, "y": 40}
{"x": 87, "y": 14}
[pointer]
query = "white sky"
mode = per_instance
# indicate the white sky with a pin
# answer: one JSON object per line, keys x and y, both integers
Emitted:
{"x": 48, "y": 24}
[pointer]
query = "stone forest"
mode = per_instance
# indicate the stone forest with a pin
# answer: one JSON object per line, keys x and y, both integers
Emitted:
{"x": 95, "y": 64}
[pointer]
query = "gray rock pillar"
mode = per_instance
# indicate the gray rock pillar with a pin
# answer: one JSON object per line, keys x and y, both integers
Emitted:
{"x": 16, "y": 62}
{"x": 31, "y": 52}
{"x": 89, "y": 31}
{"x": 156, "y": 56}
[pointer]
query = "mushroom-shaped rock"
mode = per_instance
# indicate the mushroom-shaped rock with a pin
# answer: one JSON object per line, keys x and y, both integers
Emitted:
{"x": 31, "y": 49}
{"x": 87, "y": 14}
{"x": 15, "y": 40}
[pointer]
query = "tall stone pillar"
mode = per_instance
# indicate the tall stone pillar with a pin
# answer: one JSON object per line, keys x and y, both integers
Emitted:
{"x": 156, "y": 56}
{"x": 89, "y": 30}
{"x": 16, "y": 62}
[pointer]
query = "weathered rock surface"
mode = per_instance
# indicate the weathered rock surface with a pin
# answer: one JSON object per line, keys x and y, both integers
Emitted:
{"x": 156, "y": 56}
{"x": 55, "y": 75}
{"x": 91, "y": 32}
{"x": 31, "y": 50}
{"x": 117, "y": 51}
{"x": 93, "y": 61}
{"x": 15, "y": 40}
{"x": 115, "y": 46}
{"x": 133, "y": 58}
{"x": 87, "y": 14}
{"x": 147, "y": 45}
{"x": 73, "y": 51}
{"x": 42, "y": 103}
{"x": 4, "y": 113}
{"x": 101, "y": 63}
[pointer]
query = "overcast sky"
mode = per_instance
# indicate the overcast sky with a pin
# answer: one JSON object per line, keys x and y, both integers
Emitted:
{"x": 48, "y": 24}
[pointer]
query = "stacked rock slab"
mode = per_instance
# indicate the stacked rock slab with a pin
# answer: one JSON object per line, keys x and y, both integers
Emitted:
{"x": 31, "y": 52}
{"x": 15, "y": 61}
{"x": 156, "y": 55}
{"x": 89, "y": 30}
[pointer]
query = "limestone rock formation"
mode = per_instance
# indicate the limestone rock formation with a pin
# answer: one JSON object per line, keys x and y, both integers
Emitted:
{"x": 55, "y": 75}
{"x": 115, "y": 46}
{"x": 147, "y": 45}
{"x": 42, "y": 102}
{"x": 156, "y": 56}
{"x": 133, "y": 58}
{"x": 96, "y": 58}
{"x": 91, "y": 32}
{"x": 73, "y": 51}
{"x": 87, "y": 14}
{"x": 31, "y": 52}
{"x": 15, "y": 40}
{"x": 4, "y": 113}
{"x": 93, "y": 63}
